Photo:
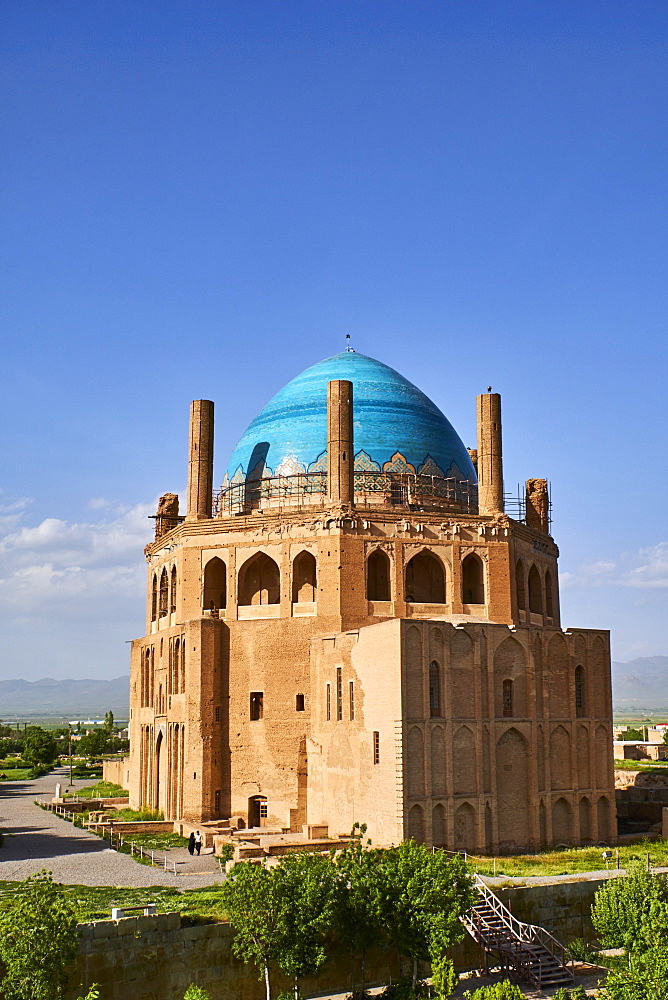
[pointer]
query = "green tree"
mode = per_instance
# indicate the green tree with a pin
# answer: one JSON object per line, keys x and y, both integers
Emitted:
{"x": 39, "y": 747}
{"x": 579, "y": 993}
{"x": 307, "y": 889}
{"x": 632, "y": 734}
{"x": 195, "y": 992}
{"x": 421, "y": 896}
{"x": 646, "y": 979}
{"x": 109, "y": 722}
{"x": 251, "y": 897}
{"x": 498, "y": 991}
{"x": 38, "y": 939}
{"x": 358, "y": 920}
{"x": 94, "y": 743}
{"x": 632, "y": 910}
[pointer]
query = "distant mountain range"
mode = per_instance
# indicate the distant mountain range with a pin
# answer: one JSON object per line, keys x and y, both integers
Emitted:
{"x": 641, "y": 683}
{"x": 74, "y": 698}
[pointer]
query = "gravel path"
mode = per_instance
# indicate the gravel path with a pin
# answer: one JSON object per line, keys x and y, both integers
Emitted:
{"x": 38, "y": 839}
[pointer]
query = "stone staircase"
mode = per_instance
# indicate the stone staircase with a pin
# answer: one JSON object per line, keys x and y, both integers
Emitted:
{"x": 526, "y": 951}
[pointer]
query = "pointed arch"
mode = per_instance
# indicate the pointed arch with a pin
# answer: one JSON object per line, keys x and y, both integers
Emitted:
{"x": 535, "y": 587}
{"x": 415, "y": 763}
{"x": 584, "y": 811}
{"x": 465, "y": 823}
{"x": 603, "y": 817}
{"x": 214, "y": 596}
{"x": 549, "y": 595}
{"x": 437, "y": 761}
{"x": 510, "y": 680}
{"x": 562, "y": 822}
{"x": 425, "y": 579}
{"x": 259, "y": 581}
{"x": 519, "y": 586}
{"x": 416, "y": 824}
{"x": 164, "y": 593}
{"x": 438, "y": 831}
{"x": 580, "y": 692}
{"x": 464, "y": 762}
{"x": 473, "y": 580}
{"x": 378, "y": 576}
{"x": 560, "y": 758}
{"x": 154, "y": 598}
{"x": 435, "y": 690}
{"x": 584, "y": 770}
{"x": 304, "y": 579}
{"x": 172, "y": 591}
{"x": 512, "y": 789}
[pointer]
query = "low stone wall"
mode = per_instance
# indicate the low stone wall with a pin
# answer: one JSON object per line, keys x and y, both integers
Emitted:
{"x": 116, "y": 771}
{"x": 156, "y": 958}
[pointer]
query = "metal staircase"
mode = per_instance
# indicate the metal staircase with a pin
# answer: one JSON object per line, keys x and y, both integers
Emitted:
{"x": 527, "y": 952}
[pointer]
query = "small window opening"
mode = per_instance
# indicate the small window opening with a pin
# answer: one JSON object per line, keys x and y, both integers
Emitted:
{"x": 299, "y": 703}
{"x": 256, "y": 705}
{"x": 508, "y": 698}
{"x": 434, "y": 689}
{"x": 376, "y": 748}
{"x": 339, "y": 694}
{"x": 351, "y": 696}
{"x": 217, "y": 713}
{"x": 329, "y": 702}
{"x": 580, "y": 692}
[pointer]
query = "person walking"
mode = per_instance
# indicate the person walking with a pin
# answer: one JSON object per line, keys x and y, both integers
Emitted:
{"x": 191, "y": 844}
{"x": 199, "y": 840}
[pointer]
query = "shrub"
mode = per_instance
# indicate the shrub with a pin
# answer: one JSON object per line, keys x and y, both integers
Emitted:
{"x": 632, "y": 911}
{"x": 195, "y": 992}
{"x": 39, "y": 921}
{"x": 499, "y": 991}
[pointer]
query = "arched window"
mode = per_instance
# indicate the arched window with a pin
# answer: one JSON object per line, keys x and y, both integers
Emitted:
{"x": 378, "y": 576}
{"x": 434, "y": 689}
{"x": 473, "y": 580}
{"x": 580, "y": 697}
{"x": 154, "y": 598}
{"x": 259, "y": 581}
{"x": 535, "y": 592}
{"x": 172, "y": 592}
{"x": 215, "y": 585}
{"x": 176, "y": 660}
{"x": 304, "y": 581}
{"x": 549, "y": 597}
{"x": 425, "y": 579}
{"x": 519, "y": 585}
{"x": 164, "y": 593}
{"x": 183, "y": 663}
{"x": 508, "y": 707}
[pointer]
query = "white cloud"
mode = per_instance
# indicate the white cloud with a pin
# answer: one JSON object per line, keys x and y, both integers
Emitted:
{"x": 83, "y": 571}
{"x": 645, "y": 569}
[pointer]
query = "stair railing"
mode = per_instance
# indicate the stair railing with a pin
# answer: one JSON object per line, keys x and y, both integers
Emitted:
{"x": 525, "y": 933}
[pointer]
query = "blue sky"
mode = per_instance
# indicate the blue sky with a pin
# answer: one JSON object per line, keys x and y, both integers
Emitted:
{"x": 201, "y": 199}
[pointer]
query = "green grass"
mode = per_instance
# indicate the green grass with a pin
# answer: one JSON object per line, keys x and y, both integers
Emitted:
{"x": 156, "y": 841}
{"x": 641, "y": 765}
{"x": 95, "y": 902}
{"x": 572, "y": 861}
{"x": 16, "y": 773}
{"x": 102, "y": 790}
{"x": 139, "y": 815}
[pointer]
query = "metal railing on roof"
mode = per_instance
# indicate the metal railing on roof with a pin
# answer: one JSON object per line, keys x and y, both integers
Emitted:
{"x": 395, "y": 489}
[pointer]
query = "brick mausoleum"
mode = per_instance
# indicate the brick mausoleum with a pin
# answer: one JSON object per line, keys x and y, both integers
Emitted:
{"x": 353, "y": 629}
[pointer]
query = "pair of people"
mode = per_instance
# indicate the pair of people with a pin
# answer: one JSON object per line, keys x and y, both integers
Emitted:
{"x": 195, "y": 841}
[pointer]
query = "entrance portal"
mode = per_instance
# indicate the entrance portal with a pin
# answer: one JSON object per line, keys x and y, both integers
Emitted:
{"x": 257, "y": 811}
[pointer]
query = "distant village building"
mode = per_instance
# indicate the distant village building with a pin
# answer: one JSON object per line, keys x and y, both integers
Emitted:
{"x": 353, "y": 628}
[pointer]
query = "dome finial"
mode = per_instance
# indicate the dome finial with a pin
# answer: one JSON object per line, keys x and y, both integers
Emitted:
{"x": 351, "y": 350}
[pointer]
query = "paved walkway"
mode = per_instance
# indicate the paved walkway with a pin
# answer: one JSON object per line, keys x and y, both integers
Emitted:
{"x": 38, "y": 839}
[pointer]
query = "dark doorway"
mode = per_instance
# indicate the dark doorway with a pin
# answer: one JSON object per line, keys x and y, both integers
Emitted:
{"x": 257, "y": 811}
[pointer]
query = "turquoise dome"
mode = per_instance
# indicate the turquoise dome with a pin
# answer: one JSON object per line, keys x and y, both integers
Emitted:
{"x": 396, "y": 427}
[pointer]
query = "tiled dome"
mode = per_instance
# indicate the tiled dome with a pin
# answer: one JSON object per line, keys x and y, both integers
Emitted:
{"x": 396, "y": 427}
